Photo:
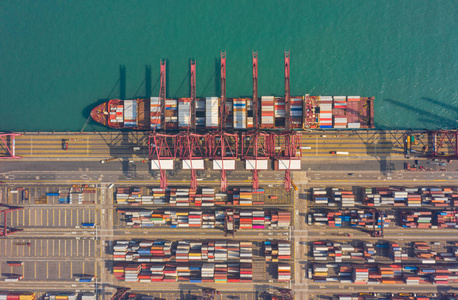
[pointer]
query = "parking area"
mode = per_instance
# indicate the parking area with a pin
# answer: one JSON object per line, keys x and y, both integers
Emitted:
{"x": 73, "y": 248}
{"x": 65, "y": 216}
{"x": 50, "y": 270}
{"x": 49, "y": 194}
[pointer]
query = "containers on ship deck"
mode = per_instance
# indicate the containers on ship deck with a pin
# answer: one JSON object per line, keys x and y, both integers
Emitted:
{"x": 184, "y": 112}
{"x": 240, "y": 113}
{"x": 171, "y": 113}
{"x": 211, "y": 112}
{"x": 325, "y": 115}
{"x": 267, "y": 112}
{"x": 130, "y": 113}
{"x": 296, "y": 111}
{"x": 155, "y": 113}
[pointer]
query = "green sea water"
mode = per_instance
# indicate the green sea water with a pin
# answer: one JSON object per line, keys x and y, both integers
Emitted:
{"x": 58, "y": 59}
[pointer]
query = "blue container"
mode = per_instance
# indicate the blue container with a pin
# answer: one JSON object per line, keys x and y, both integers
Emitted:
{"x": 52, "y": 194}
{"x": 87, "y": 224}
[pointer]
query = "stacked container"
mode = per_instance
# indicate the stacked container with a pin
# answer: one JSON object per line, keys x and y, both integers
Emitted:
{"x": 155, "y": 113}
{"x": 184, "y": 113}
{"x": 211, "y": 112}
{"x": 131, "y": 272}
{"x": 340, "y": 104}
{"x": 267, "y": 112}
{"x": 130, "y": 113}
{"x": 240, "y": 113}
{"x": 246, "y": 272}
{"x": 419, "y": 219}
{"x": 360, "y": 275}
{"x": 320, "y": 195}
{"x": 325, "y": 116}
{"x": 296, "y": 112}
{"x": 200, "y": 113}
{"x": 447, "y": 219}
{"x": 396, "y": 253}
{"x": 284, "y": 272}
{"x": 171, "y": 113}
{"x": 230, "y": 114}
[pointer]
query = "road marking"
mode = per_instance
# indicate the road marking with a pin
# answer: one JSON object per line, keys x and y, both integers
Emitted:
{"x": 71, "y": 268}
{"x": 59, "y": 217}
{"x": 23, "y": 217}
{"x": 71, "y": 248}
{"x": 65, "y": 217}
{"x": 77, "y": 216}
{"x": 82, "y": 246}
{"x": 35, "y": 250}
{"x": 53, "y": 248}
{"x": 35, "y": 218}
{"x": 30, "y": 218}
{"x": 83, "y": 267}
{"x": 41, "y": 248}
{"x": 59, "y": 268}
{"x": 53, "y": 216}
{"x": 65, "y": 247}
{"x": 59, "y": 248}
{"x": 47, "y": 270}
{"x": 77, "y": 244}
{"x": 35, "y": 266}
{"x": 47, "y": 249}
{"x": 71, "y": 217}
{"x": 47, "y": 218}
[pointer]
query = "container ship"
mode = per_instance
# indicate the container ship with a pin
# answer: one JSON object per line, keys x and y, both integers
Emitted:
{"x": 307, "y": 112}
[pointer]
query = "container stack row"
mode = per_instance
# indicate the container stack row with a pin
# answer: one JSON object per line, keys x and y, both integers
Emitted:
{"x": 339, "y": 111}
{"x": 275, "y": 251}
{"x": 386, "y": 274}
{"x": 346, "y": 198}
{"x": 219, "y": 272}
{"x": 353, "y": 218}
{"x": 410, "y": 197}
{"x": 247, "y": 219}
{"x": 424, "y": 219}
{"x": 17, "y": 296}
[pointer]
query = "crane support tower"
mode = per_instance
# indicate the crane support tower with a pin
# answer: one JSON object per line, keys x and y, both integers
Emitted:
{"x": 191, "y": 148}
{"x": 255, "y": 152}
{"x": 10, "y": 152}
{"x": 222, "y": 105}
{"x": 445, "y": 144}
{"x": 162, "y": 94}
{"x": 224, "y": 151}
{"x": 193, "y": 95}
{"x": 7, "y": 209}
{"x": 162, "y": 154}
{"x": 285, "y": 148}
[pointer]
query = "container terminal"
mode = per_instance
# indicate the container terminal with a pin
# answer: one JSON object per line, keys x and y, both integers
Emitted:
{"x": 215, "y": 198}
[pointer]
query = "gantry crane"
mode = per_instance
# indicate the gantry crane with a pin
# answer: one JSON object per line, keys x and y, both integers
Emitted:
{"x": 162, "y": 95}
{"x": 287, "y": 94}
{"x": 255, "y": 92}
{"x": 193, "y": 95}
{"x": 11, "y": 152}
{"x": 222, "y": 104}
{"x": 445, "y": 140}
{"x": 376, "y": 232}
{"x": 6, "y": 211}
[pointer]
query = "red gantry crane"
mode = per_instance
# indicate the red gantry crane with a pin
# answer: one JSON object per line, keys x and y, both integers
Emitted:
{"x": 255, "y": 144}
{"x": 6, "y": 211}
{"x": 284, "y": 146}
{"x": 162, "y": 93}
{"x": 161, "y": 152}
{"x": 191, "y": 148}
{"x": 445, "y": 144}
{"x": 222, "y": 103}
{"x": 193, "y": 95}
{"x": 10, "y": 152}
